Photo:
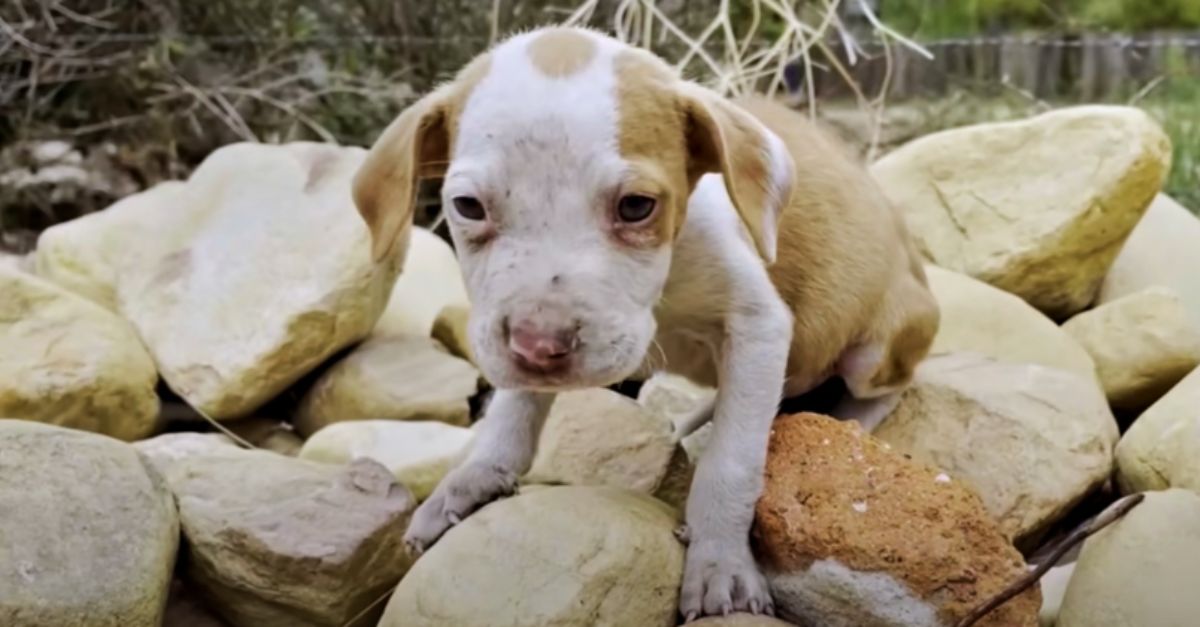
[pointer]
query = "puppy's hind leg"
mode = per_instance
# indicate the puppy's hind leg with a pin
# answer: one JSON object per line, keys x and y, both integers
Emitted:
{"x": 870, "y": 396}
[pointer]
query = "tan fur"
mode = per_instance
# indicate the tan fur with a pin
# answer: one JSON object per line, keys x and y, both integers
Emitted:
{"x": 845, "y": 264}
{"x": 415, "y": 145}
{"x": 561, "y": 52}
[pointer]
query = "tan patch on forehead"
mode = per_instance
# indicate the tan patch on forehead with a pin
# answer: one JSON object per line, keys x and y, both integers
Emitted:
{"x": 651, "y": 128}
{"x": 561, "y": 52}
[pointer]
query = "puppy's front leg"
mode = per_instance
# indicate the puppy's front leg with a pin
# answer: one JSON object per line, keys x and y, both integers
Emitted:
{"x": 720, "y": 575}
{"x": 502, "y": 452}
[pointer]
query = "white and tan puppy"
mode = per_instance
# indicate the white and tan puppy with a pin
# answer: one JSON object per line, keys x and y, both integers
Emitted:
{"x": 612, "y": 219}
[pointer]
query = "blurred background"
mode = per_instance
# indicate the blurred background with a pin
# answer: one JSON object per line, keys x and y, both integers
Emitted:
{"x": 102, "y": 98}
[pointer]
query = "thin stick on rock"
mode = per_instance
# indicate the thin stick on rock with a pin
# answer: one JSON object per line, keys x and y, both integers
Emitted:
{"x": 1081, "y": 533}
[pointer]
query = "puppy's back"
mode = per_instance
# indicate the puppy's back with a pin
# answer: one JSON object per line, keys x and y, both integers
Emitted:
{"x": 845, "y": 264}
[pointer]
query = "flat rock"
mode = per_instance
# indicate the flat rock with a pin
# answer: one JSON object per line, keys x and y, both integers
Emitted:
{"x": 979, "y": 318}
{"x": 1163, "y": 250}
{"x": 1162, "y": 448}
{"x": 600, "y": 437}
{"x": 1142, "y": 570}
{"x": 567, "y": 556}
{"x": 739, "y": 620}
{"x": 393, "y": 378}
{"x": 418, "y": 453}
{"x": 70, "y": 362}
{"x": 1143, "y": 344}
{"x": 88, "y": 533}
{"x": 242, "y": 279}
{"x": 450, "y": 328}
{"x": 1032, "y": 441}
{"x": 853, "y": 534}
{"x": 1037, "y": 207}
{"x": 430, "y": 281}
{"x": 278, "y": 541}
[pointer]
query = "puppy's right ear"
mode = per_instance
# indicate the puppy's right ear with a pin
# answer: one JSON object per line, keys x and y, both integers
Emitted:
{"x": 415, "y": 145}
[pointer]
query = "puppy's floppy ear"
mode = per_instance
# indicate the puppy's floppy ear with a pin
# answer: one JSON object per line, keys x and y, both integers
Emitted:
{"x": 416, "y": 144}
{"x": 758, "y": 171}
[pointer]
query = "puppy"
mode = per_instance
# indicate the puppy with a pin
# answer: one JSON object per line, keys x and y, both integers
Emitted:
{"x": 613, "y": 220}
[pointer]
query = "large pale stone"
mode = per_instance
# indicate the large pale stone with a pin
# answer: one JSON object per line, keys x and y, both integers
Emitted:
{"x": 1036, "y": 207}
{"x": 278, "y": 541}
{"x": 419, "y": 453}
{"x": 393, "y": 378}
{"x": 88, "y": 532}
{"x": 599, "y": 437}
{"x": 674, "y": 397}
{"x": 1033, "y": 441}
{"x": 1054, "y": 588}
{"x": 1142, "y": 570}
{"x": 853, "y": 534}
{"x": 430, "y": 281}
{"x": 67, "y": 361}
{"x": 257, "y": 270}
{"x": 1164, "y": 249}
{"x": 566, "y": 556}
{"x": 979, "y": 318}
{"x": 1162, "y": 448}
{"x": 1143, "y": 344}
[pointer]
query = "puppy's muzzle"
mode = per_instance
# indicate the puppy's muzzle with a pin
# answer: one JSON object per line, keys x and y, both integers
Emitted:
{"x": 542, "y": 346}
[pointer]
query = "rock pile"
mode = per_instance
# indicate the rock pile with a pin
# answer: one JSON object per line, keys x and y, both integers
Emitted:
{"x": 247, "y": 294}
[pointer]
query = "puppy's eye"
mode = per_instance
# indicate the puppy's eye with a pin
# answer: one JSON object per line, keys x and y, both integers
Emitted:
{"x": 635, "y": 208}
{"x": 469, "y": 208}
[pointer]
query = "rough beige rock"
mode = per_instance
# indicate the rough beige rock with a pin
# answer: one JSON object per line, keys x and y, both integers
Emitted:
{"x": 418, "y": 453}
{"x": 599, "y": 437}
{"x": 1037, "y": 207}
{"x": 1142, "y": 570}
{"x": 393, "y": 378}
{"x": 88, "y": 532}
{"x": 1164, "y": 249}
{"x": 431, "y": 280}
{"x": 450, "y": 328}
{"x": 1032, "y": 441}
{"x": 87, "y": 255}
{"x": 1162, "y": 448}
{"x": 262, "y": 272}
{"x": 70, "y": 362}
{"x": 566, "y": 556}
{"x": 1143, "y": 344}
{"x": 979, "y": 318}
{"x": 852, "y": 534}
{"x": 278, "y": 541}
{"x": 164, "y": 450}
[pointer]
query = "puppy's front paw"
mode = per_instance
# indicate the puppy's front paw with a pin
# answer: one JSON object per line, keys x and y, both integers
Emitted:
{"x": 719, "y": 579}
{"x": 464, "y": 490}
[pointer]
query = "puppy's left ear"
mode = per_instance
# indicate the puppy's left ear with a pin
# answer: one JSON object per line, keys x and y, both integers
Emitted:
{"x": 415, "y": 145}
{"x": 757, "y": 169}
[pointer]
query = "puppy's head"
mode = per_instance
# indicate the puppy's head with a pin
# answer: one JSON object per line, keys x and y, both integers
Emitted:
{"x": 568, "y": 159}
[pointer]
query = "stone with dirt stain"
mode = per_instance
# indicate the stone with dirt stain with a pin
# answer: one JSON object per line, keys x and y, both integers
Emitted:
{"x": 278, "y": 541}
{"x": 88, "y": 533}
{"x": 567, "y": 556}
{"x": 1032, "y": 441}
{"x": 1143, "y": 344}
{"x": 67, "y": 361}
{"x": 391, "y": 378}
{"x": 1038, "y": 207}
{"x": 853, "y": 534}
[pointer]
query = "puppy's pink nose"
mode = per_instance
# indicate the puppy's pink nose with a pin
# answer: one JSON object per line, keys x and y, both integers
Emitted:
{"x": 542, "y": 348}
